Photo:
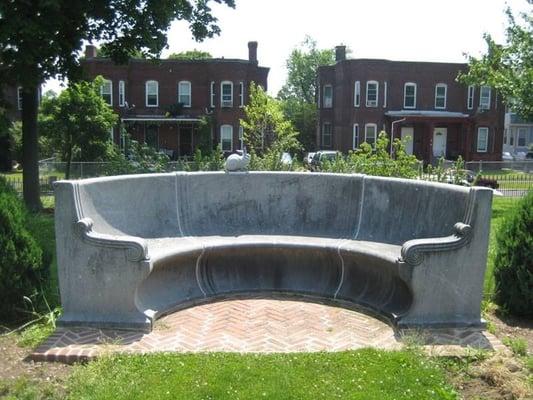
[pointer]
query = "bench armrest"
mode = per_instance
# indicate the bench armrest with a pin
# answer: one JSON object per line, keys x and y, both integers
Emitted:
{"x": 413, "y": 250}
{"x": 136, "y": 248}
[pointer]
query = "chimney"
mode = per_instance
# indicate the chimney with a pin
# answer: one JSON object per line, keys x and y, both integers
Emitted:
{"x": 252, "y": 52}
{"x": 340, "y": 53}
{"x": 90, "y": 51}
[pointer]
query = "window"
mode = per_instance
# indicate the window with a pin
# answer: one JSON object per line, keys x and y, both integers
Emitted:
{"x": 226, "y": 137}
{"x": 484, "y": 98}
{"x": 482, "y": 139}
{"x": 357, "y": 94}
{"x": 409, "y": 95}
{"x": 106, "y": 91}
{"x": 440, "y": 95}
{"x": 372, "y": 88}
{"x": 355, "y": 136}
{"x": 328, "y": 96}
{"x": 121, "y": 93}
{"x": 326, "y": 134}
{"x": 384, "y": 94}
{"x": 19, "y": 97}
{"x": 241, "y": 137}
{"x": 370, "y": 134}
{"x": 241, "y": 94}
{"x": 184, "y": 93}
{"x": 470, "y": 102}
{"x": 152, "y": 94}
{"x": 212, "y": 95}
{"x": 226, "y": 94}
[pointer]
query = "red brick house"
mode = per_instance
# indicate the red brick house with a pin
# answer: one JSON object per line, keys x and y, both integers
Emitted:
{"x": 358, "y": 98}
{"x": 161, "y": 102}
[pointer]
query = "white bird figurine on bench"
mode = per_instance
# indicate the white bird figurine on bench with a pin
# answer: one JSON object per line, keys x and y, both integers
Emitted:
{"x": 238, "y": 162}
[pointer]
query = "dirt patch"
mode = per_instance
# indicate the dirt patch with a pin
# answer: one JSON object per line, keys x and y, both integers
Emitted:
{"x": 14, "y": 368}
{"x": 512, "y": 327}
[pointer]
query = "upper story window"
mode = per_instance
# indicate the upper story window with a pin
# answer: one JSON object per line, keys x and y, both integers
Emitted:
{"x": 409, "y": 95}
{"x": 152, "y": 93}
{"x": 482, "y": 139}
{"x": 484, "y": 97}
{"x": 121, "y": 93}
{"x": 470, "y": 100}
{"x": 19, "y": 97}
{"x": 328, "y": 96}
{"x": 357, "y": 94}
{"x": 184, "y": 93}
{"x": 355, "y": 136}
{"x": 212, "y": 95}
{"x": 106, "y": 91}
{"x": 226, "y": 137}
{"x": 372, "y": 89}
{"x": 241, "y": 94}
{"x": 370, "y": 134}
{"x": 440, "y": 95}
{"x": 226, "y": 94}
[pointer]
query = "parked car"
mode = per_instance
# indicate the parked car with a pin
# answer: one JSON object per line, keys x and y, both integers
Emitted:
{"x": 529, "y": 155}
{"x": 286, "y": 159}
{"x": 506, "y": 156}
{"x": 308, "y": 157}
{"x": 321, "y": 156}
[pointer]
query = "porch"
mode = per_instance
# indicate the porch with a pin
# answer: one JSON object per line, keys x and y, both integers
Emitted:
{"x": 432, "y": 135}
{"x": 176, "y": 137}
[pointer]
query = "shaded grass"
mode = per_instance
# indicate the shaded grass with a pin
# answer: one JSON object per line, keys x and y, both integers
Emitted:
{"x": 501, "y": 206}
{"x": 363, "y": 374}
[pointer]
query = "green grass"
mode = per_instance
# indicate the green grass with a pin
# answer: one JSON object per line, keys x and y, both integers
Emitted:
{"x": 501, "y": 206}
{"x": 364, "y": 374}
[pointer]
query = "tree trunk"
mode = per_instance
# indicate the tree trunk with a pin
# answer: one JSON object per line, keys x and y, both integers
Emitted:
{"x": 30, "y": 148}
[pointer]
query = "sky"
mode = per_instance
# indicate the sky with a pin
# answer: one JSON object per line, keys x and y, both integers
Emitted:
{"x": 411, "y": 30}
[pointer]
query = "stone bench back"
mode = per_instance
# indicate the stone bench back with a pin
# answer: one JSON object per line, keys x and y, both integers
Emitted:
{"x": 269, "y": 203}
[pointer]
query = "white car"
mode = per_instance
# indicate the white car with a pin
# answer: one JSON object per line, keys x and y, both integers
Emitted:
{"x": 506, "y": 156}
{"x": 308, "y": 158}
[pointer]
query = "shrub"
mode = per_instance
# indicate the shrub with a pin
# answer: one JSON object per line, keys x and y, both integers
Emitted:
{"x": 21, "y": 259}
{"x": 513, "y": 265}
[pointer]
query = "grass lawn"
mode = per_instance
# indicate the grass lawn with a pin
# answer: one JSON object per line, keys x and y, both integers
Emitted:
{"x": 365, "y": 374}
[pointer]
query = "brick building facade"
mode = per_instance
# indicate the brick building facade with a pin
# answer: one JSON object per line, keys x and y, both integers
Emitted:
{"x": 161, "y": 103}
{"x": 358, "y": 98}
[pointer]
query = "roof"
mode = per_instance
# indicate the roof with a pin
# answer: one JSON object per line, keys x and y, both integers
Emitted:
{"x": 426, "y": 114}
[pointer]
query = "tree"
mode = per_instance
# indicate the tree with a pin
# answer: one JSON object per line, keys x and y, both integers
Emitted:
{"x": 42, "y": 39}
{"x": 266, "y": 130}
{"x": 190, "y": 55}
{"x": 78, "y": 122}
{"x": 299, "y": 92}
{"x": 508, "y": 68}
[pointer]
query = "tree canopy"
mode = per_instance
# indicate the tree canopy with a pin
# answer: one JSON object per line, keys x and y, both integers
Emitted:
{"x": 508, "y": 67}
{"x": 190, "y": 55}
{"x": 266, "y": 130}
{"x": 42, "y": 39}
{"x": 298, "y": 94}
{"x": 302, "y": 66}
{"x": 78, "y": 122}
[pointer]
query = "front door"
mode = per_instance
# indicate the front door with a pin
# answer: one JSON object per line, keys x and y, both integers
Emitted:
{"x": 439, "y": 142}
{"x": 408, "y": 133}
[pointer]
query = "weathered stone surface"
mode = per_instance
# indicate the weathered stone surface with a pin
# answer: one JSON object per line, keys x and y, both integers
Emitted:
{"x": 132, "y": 248}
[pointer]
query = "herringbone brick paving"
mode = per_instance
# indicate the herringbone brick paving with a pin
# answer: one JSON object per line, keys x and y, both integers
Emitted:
{"x": 252, "y": 325}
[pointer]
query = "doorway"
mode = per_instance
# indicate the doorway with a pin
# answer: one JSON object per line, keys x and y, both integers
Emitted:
{"x": 439, "y": 142}
{"x": 407, "y": 135}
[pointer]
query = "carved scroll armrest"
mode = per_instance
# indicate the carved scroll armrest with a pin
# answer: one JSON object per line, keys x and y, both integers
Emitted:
{"x": 413, "y": 250}
{"x": 136, "y": 248}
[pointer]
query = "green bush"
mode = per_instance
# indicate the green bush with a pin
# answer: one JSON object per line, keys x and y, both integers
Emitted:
{"x": 22, "y": 263}
{"x": 513, "y": 265}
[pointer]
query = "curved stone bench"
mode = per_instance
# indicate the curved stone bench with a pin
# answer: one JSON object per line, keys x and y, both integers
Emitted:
{"x": 132, "y": 248}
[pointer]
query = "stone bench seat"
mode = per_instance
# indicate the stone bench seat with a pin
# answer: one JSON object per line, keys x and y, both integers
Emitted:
{"x": 133, "y": 248}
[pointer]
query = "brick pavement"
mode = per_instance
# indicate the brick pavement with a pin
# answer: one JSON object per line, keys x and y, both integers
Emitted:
{"x": 253, "y": 325}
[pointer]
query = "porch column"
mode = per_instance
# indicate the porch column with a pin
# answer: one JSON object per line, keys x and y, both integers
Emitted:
{"x": 429, "y": 147}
